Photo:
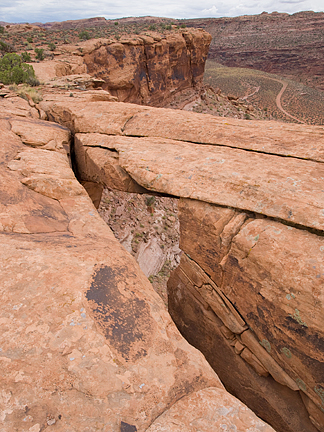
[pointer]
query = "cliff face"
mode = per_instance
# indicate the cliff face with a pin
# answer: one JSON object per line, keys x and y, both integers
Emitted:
{"x": 149, "y": 70}
{"x": 288, "y": 45}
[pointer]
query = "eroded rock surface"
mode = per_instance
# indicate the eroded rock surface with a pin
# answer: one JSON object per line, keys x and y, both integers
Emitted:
{"x": 252, "y": 231}
{"x": 86, "y": 344}
{"x": 144, "y": 69}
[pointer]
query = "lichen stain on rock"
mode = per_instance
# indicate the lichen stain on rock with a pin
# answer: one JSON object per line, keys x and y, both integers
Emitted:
{"x": 125, "y": 427}
{"x": 125, "y": 321}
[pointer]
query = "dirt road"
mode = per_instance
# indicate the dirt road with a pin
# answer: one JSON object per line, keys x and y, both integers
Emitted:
{"x": 278, "y": 100}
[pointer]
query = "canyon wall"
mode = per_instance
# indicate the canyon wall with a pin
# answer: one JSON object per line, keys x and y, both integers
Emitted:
{"x": 287, "y": 45}
{"x": 248, "y": 291}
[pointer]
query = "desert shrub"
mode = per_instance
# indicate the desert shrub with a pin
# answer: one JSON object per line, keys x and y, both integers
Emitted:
{"x": 183, "y": 26}
{"x": 150, "y": 200}
{"x": 6, "y": 48}
{"x": 39, "y": 53}
{"x": 84, "y": 35}
{"x": 2, "y": 30}
{"x": 116, "y": 23}
{"x": 30, "y": 39}
{"x": 152, "y": 27}
{"x": 26, "y": 58}
{"x": 27, "y": 93}
{"x": 52, "y": 46}
{"x": 13, "y": 70}
{"x": 33, "y": 81}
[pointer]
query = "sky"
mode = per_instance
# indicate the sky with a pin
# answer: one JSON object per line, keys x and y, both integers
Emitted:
{"x": 60, "y": 10}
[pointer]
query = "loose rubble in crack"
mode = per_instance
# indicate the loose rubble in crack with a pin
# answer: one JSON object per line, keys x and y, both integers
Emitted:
{"x": 148, "y": 227}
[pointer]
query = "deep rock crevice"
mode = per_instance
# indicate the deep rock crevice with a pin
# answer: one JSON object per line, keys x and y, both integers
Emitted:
{"x": 226, "y": 245}
{"x": 247, "y": 348}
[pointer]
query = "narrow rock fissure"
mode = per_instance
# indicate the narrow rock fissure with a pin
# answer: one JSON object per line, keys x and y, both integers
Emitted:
{"x": 148, "y": 227}
{"x": 73, "y": 160}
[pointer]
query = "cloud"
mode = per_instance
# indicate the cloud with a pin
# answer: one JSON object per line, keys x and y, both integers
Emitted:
{"x": 292, "y": 1}
{"x": 210, "y": 12}
{"x": 61, "y": 10}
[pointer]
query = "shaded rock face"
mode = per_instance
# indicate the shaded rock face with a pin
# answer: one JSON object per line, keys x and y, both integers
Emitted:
{"x": 249, "y": 288}
{"x": 287, "y": 45}
{"x": 148, "y": 70}
{"x": 86, "y": 344}
{"x": 225, "y": 270}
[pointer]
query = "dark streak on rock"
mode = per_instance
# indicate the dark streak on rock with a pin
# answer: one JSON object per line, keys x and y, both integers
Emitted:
{"x": 125, "y": 321}
{"x": 125, "y": 427}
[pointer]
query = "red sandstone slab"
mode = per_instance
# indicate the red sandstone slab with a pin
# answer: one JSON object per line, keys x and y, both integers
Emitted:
{"x": 299, "y": 141}
{"x": 286, "y": 188}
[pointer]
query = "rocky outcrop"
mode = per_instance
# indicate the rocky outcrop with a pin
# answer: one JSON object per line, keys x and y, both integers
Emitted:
{"x": 248, "y": 291}
{"x": 150, "y": 70}
{"x": 145, "y": 69}
{"x": 287, "y": 45}
{"x": 86, "y": 344}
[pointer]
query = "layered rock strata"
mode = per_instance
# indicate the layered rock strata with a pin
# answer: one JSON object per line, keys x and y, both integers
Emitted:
{"x": 85, "y": 344}
{"x": 249, "y": 289}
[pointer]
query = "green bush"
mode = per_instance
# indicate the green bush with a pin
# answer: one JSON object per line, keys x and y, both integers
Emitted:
{"x": 52, "y": 46}
{"x": 14, "y": 71}
{"x": 2, "y": 30}
{"x": 26, "y": 58}
{"x": 33, "y": 81}
{"x": 30, "y": 39}
{"x": 6, "y": 48}
{"x": 39, "y": 53}
{"x": 84, "y": 35}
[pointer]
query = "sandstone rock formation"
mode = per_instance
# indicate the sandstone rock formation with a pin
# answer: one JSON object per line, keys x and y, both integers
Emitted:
{"x": 148, "y": 70}
{"x": 287, "y": 45}
{"x": 85, "y": 344}
{"x": 249, "y": 289}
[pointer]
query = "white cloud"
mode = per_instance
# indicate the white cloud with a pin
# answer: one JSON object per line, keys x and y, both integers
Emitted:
{"x": 60, "y": 10}
{"x": 210, "y": 12}
{"x": 292, "y": 1}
